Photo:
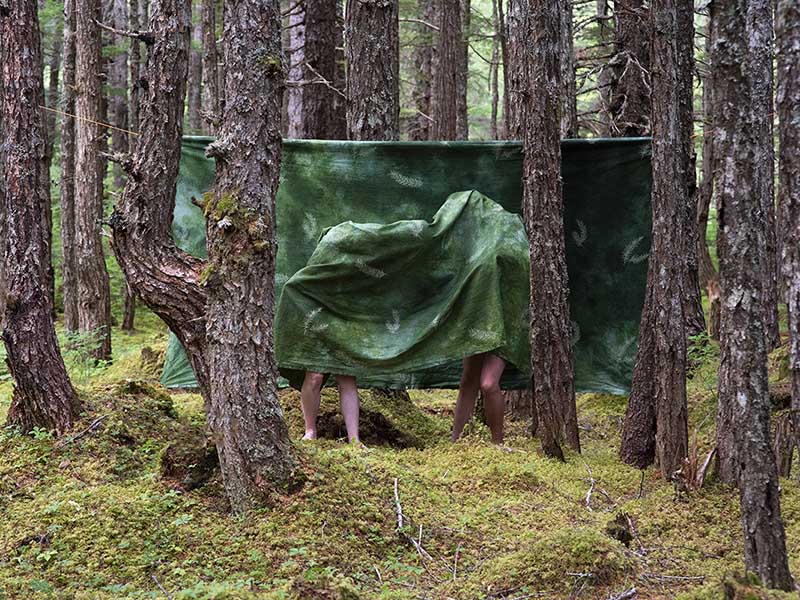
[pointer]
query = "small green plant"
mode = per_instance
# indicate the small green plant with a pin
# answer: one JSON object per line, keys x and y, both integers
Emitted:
{"x": 78, "y": 351}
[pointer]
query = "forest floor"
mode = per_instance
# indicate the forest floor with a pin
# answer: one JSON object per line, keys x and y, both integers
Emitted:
{"x": 126, "y": 507}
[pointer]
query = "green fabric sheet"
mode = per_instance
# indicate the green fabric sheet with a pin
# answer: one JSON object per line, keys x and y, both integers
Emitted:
{"x": 407, "y": 298}
{"x": 324, "y": 183}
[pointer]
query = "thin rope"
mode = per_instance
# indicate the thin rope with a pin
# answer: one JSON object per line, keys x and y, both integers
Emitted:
{"x": 106, "y": 125}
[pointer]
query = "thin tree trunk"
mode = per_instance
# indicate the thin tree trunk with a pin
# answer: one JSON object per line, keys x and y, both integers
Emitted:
{"x": 514, "y": 69}
{"x": 210, "y": 99}
{"x": 743, "y": 438}
{"x": 605, "y": 36}
{"x": 251, "y": 436}
{"x": 536, "y": 40}
{"x": 569, "y": 110}
{"x": 118, "y": 88}
{"x": 494, "y": 72}
{"x": 52, "y": 88}
{"x": 629, "y": 84}
{"x": 68, "y": 249}
{"x": 314, "y": 35}
{"x": 94, "y": 308}
{"x": 422, "y": 60}
{"x": 445, "y": 76}
{"x": 135, "y": 65}
{"x": 195, "y": 123}
{"x": 655, "y": 421}
{"x": 43, "y": 395}
{"x": 787, "y": 23}
{"x": 503, "y": 32}
{"x": 462, "y": 71}
{"x": 373, "y": 62}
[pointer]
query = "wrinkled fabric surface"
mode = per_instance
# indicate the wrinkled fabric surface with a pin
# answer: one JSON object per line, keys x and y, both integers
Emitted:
{"x": 607, "y": 219}
{"x": 408, "y": 298}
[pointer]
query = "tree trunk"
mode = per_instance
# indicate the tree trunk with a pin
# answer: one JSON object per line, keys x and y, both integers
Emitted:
{"x": 69, "y": 266}
{"x": 134, "y": 63}
{"x": 655, "y": 421}
{"x": 569, "y": 110}
{"x": 787, "y": 23}
{"x": 494, "y": 69}
{"x": 514, "y": 67}
{"x": 422, "y": 61}
{"x": 462, "y": 71}
{"x": 536, "y": 39}
{"x": 445, "y": 76}
{"x": 94, "y": 308}
{"x": 314, "y": 35}
{"x": 195, "y": 123}
{"x": 372, "y": 48}
{"x": 605, "y": 35}
{"x": 43, "y": 395}
{"x": 118, "y": 89}
{"x": 52, "y": 89}
{"x": 503, "y": 32}
{"x": 743, "y": 438}
{"x": 251, "y": 436}
{"x": 629, "y": 83}
{"x": 210, "y": 99}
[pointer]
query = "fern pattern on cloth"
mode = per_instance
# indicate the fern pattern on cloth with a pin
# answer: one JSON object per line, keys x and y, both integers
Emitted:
{"x": 410, "y": 297}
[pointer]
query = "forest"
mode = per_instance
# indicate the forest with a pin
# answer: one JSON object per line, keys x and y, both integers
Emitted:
{"x": 388, "y": 299}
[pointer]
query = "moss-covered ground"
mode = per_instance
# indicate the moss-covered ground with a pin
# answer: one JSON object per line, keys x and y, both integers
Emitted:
{"x": 125, "y": 507}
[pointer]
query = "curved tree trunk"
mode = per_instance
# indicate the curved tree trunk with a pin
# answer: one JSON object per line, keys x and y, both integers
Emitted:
{"x": 43, "y": 395}
{"x": 537, "y": 43}
{"x": 94, "y": 296}
{"x": 787, "y": 23}
{"x": 372, "y": 49}
{"x": 252, "y": 438}
{"x": 743, "y": 438}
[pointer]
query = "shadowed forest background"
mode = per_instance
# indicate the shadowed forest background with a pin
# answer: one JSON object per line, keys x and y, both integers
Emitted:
{"x": 116, "y": 490}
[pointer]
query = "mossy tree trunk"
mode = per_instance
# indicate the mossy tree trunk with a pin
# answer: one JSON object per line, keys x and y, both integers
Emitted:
{"x": 655, "y": 426}
{"x": 92, "y": 283}
{"x": 537, "y": 43}
{"x": 43, "y": 395}
{"x": 788, "y": 98}
{"x": 743, "y": 440}
{"x": 251, "y": 436}
{"x": 372, "y": 50}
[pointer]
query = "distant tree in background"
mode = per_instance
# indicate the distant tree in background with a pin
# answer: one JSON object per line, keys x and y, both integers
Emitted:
{"x": 445, "y": 101}
{"x": 193, "y": 101}
{"x": 210, "y": 94}
{"x": 569, "y": 110}
{"x": 628, "y": 109}
{"x": 422, "y": 63}
{"x": 535, "y": 45}
{"x": 43, "y": 395}
{"x": 91, "y": 277}
{"x": 373, "y": 70}
{"x": 315, "y": 108}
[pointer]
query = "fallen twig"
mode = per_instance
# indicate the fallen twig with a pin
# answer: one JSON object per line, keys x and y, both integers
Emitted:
{"x": 397, "y": 504}
{"x": 626, "y": 595}
{"x": 165, "y": 592}
{"x": 78, "y": 436}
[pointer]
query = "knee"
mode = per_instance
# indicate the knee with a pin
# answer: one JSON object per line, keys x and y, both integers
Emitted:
{"x": 314, "y": 380}
{"x": 489, "y": 384}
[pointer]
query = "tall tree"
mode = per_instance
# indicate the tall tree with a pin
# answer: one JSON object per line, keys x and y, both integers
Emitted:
{"x": 422, "y": 61}
{"x": 195, "y": 123}
{"x": 569, "y": 109}
{"x": 655, "y": 426}
{"x": 251, "y": 439}
{"x": 445, "y": 76}
{"x": 210, "y": 99}
{"x": 43, "y": 395}
{"x": 372, "y": 50}
{"x": 536, "y": 41}
{"x": 629, "y": 77}
{"x": 743, "y": 440}
{"x": 94, "y": 307}
{"x": 314, "y": 34}
{"x": 118, "y": 87}
{"x": 755, "y": 133}
{"x": 787, "y": 25}
{"x": 462, "y": 71}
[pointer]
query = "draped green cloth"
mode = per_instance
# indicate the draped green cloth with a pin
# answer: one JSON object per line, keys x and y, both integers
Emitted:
{"x": 408, "y": 298}
{"x": 607, "y": 220}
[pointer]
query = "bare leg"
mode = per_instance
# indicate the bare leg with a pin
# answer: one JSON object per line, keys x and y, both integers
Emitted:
{"x": 348, "y": 394}
{"x": 493, "y": 400}
{"x": 309, "y": 400}
{"x": 467, "y": 393}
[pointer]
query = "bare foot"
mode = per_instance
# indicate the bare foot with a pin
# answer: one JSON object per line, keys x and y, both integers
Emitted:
{"x": 310, "y": 435}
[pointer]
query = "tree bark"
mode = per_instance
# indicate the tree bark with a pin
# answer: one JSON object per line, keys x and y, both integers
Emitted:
{"x": 52, "y": 88}
{"x": 462, "y": 71}
{"x": 135, "y": 65}
{"x": 445, "y": 76}
{"x": 537, "y": 41}
{"x": 314, "y": 35}
{"x": 605, "y": 36}
{"x": 67, "y": 186}
{"x": 743, "y": 434}
{"x": 503, "y": 32}
{"x": 787, "y": 24}
{"x": 118, "y": 89}
{"x": 372, "y": 48}
{"x": 43, "y": 395}
{"x": 569, "y": 110}
{"x": 195, "y": 123}
{"x": 210, "y": 99}
{"x": 629, "y": 77}
{"x": 515, "y": 65}
{"x": 251, "y": 435}
{"x": 494, "y": 71}
{"x": 422, "y": 61}
{"x": 655, "y": 426}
